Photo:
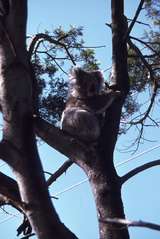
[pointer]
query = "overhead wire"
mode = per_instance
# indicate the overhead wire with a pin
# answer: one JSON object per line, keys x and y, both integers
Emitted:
{"x": 117, "y": 165}
{"x": 9, "y": 218}
{"x": 86, "y": 179}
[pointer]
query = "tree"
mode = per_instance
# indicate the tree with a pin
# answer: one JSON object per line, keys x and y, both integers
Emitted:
{"x": 27, "y": 113}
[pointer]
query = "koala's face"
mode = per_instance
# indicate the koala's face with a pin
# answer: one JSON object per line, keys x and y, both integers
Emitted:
{"x": 87, "y": 83}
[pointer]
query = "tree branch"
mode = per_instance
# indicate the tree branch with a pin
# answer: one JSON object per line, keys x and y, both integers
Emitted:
{"x": 155, "y": 83}
{"x": 9, "y": 191}
{"x": 60, "y": 141}
{"x": 3, "y": 151}
{"x": 129, "y": 223}
{"x": 59, "y": 172}
{"x": 139, "y": 22}
{"x": 134, "y": 19}
{"x": 50, "y": 39}
{"x": 146, "y": 114}
{"x": 139, "y": 169}
{"x": 54, "y": 59}
{"x": 146, "y": 44}
{"x": 139, "y": 53}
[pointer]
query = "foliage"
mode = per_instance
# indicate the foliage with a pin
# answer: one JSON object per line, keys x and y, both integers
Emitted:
{"x": 144, "y": 71}
{"x": 51, "y": 65}
{"x": 153, "y": 10}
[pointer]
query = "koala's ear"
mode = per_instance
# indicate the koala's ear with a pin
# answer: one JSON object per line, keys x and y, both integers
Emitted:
{"x": 99, "y": 74}
{"x": 77, "y": 72}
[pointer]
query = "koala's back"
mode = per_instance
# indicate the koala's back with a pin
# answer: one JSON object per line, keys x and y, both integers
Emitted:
{"x": 80, "y": 123}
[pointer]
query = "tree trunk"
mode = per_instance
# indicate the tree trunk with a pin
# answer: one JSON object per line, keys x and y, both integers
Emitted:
{"x": 100, "y": 168}
{"x": 16, "y": 100}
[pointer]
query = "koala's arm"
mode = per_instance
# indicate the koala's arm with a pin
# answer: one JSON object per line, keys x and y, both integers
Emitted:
{"x": 99, "y": 103}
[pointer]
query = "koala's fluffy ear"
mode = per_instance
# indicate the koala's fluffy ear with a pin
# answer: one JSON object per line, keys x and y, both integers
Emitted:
{"x": 99, "y": 74}
{"x": 77, "y": 73}
{"x": 99, "y": 78}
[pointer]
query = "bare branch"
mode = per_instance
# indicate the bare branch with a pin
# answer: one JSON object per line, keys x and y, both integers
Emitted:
{"x": 9, "y": 192}
{"x": 139, "y": 53}
{"x": 45, "y": 37}
{"x": 155, "y": 83}
{"x": 54, "y": 59}
{"x": 59, "y": 172}
{"x": 129, "y": 223}
{"x": 3, "y": 151}
{"x": 139, "y": 169}
{"x": 109, "y": 25}
{"x": 139, "y": 22}
{"x": 134, "y": 19}
{"x": 88, "y": 47}
{"x": 146, "y": 44}
{"x": 146, "y": 114}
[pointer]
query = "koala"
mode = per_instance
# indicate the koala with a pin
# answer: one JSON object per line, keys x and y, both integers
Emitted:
{"x": 88, "y": 99}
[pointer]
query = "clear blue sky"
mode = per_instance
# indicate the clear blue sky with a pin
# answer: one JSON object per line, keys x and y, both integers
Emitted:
{"x": 76, "y": 207}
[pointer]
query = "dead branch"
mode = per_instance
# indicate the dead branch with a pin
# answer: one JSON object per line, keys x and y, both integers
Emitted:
{"x": 146, "y": 114}
{"x": 140, "y": 55}
{"x": 151, "y": 74}
{"x": 139, "y": 22}
{"x": 134, "y": 19}
{"x": 146, "y": 44}
{"x": 129, "y": 223}
{"x": 139, "y": 169}
{"x": 59, "y": 172}
{"x": 54, "y": 59}
{"x": 45, "y": 37}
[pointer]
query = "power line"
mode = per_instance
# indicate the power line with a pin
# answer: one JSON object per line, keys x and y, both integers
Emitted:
{"x": 138, "y": 155}
{"x": 86, "y": 179}
{"x": 117, "y": 165}
{"x": 71, "y": 187}
{"x": 9, "y": 218}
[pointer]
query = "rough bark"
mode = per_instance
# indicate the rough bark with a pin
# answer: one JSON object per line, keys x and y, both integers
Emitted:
{"x": 100, "y": 168}
{"x": 97, "y": 161}
{"x": 19, "y": 140}
{"x": 18, "y": 134}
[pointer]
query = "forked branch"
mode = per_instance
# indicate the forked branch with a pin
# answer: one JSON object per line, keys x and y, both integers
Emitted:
{"x": 152, "y": 78}
{"x": 45, "y": 37}
{"x": 134, "y": 19}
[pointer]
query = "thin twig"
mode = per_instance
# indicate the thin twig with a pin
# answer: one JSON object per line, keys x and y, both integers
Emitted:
{"x": 139, "y": 53}
{"x": 53, "y": 59}
{"x": 88, "y": 47}
{"x": 139, "y": 22}
{"x": 50, "y": 39}
{"x": 155, "y": 84}
{"x": 134, "y": 19}
{"x": 146, "y": 114}
{"x": 146, "y": 44}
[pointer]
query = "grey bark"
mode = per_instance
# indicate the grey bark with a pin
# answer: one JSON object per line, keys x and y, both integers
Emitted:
{"x": 19, "y": 140}
{"x": 18, "y": 133}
